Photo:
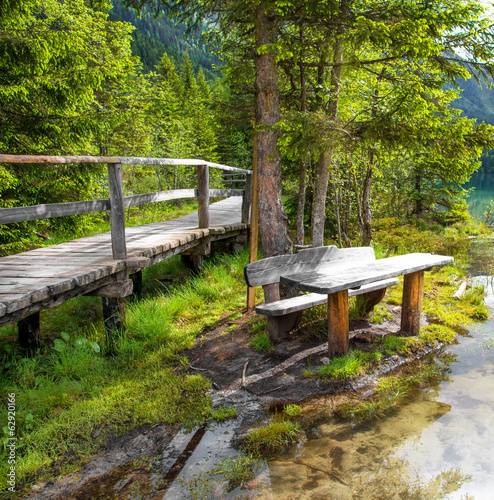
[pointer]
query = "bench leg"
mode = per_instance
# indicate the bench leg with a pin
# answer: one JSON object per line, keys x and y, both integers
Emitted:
{"x": 411, "y": 308}
{"x": 371, "y": 299}
{"x": 338, "y": 341}
{"x": 279, "y": 327}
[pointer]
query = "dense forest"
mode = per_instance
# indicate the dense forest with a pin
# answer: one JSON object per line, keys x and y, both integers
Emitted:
{"x": 359, "y": 119}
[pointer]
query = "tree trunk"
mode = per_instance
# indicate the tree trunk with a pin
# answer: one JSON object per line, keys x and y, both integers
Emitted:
{"x": 321, "y": 177}
{"x": 320, "y": 189}
{"x": 301, "y": 201}
{"x": 367, "y": 230}
{"x": 273, "y": 222}
{"x": 302, "y": 185}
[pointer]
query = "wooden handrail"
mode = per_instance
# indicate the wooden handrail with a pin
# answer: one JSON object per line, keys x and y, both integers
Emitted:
{"x": 117, "y": 201}
{"x": 125, "y": 160}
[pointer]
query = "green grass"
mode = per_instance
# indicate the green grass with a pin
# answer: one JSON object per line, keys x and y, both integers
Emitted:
{"x": 274, "y": 436}
{"x": 348, "y": 366}
{"x": 390, "y": 391}
{"x": 262, "y": 343}
{"x": 70, "y": 389}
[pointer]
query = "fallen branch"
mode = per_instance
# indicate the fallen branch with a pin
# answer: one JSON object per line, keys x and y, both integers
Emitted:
{"x": 243, "y": 374}
{"x": 277, "y": 369}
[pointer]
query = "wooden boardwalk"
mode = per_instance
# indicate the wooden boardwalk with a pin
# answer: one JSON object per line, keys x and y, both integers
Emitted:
{"x": 48, "y": 276}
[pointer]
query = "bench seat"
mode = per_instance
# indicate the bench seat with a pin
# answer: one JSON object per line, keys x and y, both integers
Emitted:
{"x": 306, "y": 301}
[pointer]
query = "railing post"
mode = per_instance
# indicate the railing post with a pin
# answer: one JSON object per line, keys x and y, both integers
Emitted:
{"x": 114, "y": 307}
{"x": 203, "y": 195}
{"x": 247, "y": 199}
{"x": 115, "y": 180}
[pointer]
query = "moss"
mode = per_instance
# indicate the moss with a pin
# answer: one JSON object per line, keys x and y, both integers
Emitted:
{"x": 390, "y": 391}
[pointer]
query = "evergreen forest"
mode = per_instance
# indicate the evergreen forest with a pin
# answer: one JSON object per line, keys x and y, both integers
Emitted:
{"x": 366, "y": 123}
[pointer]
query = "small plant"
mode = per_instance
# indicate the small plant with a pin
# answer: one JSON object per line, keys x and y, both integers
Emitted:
{"x": 262, "y": 343}
{"x": 350, "y": 365}
{"x": 292, "y": 411}
{"x": 342, "y": 367}
{"x": 394, "y": 345}
{"x": 435, "y": 334}
{"x": 237, "y": 471}
{"x": 379, "y": 315}
{"x": 199, "y": 486}
{"x": 222, "y": 413}
{"x": 274, "y": 436}
{"x": 259, "y": 326}
{"x": 389, "y": 392}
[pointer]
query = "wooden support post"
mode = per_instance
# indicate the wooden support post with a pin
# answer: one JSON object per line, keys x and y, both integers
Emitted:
{"x": 137, "y": 280}
{"x": 246, "y": 202}
{"x": 115, "y": 180}
{"x": 338, "y": 340}
{"x": 28, "y": 329}
{"x": 113, "y": 307}
{"x": 254, "y": 227}
{"x": 411, "y": 306}
{"x": 203, "y": 195}
{"x": 114, "y": 320}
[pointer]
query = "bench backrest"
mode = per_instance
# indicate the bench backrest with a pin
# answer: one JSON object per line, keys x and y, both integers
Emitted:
{"x": 267, "y": 271}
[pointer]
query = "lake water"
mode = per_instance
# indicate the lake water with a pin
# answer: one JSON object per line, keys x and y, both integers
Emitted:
{"x": 482, "y": 195}
{"x": 438, "y": 444}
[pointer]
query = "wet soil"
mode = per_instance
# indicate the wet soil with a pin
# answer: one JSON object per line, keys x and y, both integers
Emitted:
{"x": 143, "y": 463}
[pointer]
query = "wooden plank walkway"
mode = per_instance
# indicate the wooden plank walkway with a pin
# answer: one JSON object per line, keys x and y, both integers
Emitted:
{"x": 48, "y": 276}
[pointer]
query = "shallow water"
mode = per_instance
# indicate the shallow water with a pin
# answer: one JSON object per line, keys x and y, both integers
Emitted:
{"x": 438, "y": 444}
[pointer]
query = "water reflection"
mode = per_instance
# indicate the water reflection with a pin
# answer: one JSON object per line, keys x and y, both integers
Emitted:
{"x": 438, "y": 444}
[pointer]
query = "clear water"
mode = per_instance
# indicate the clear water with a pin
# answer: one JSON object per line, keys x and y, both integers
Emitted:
{"x": 438, "y": 444}
{"x": 480, "y": 198}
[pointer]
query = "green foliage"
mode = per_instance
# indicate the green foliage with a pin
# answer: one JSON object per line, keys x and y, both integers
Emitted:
{"x": 237, "y": 471}
{"x": 348, "y": 366}
{"x": 379, "y": 315}
{"x": 70, "y": 389}
{"x": 262, "y": 343}
{"x": 222, "y": 413}
{"x": 292, "y": 411}
{"x": 274, "y": 436}
{"x": 390, "y": 391}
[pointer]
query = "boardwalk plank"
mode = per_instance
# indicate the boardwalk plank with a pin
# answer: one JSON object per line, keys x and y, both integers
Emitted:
{"x": 48, "y": 276}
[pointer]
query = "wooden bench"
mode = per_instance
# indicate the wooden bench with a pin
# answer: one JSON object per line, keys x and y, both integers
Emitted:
{"x": 284, "y": 315}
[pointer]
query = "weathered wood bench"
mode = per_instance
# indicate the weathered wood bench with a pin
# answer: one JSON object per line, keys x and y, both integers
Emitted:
{"x": 284, "y": 315}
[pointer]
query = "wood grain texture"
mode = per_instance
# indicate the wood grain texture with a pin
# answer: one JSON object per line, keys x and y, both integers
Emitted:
{"x": 305, "y": 262}
{"x": 115, "y": 181}
{"x": 327, "y": 278}
{"x": 35, "y": 212}
{"x": 411, "y": 308}
{"x": 338, "y": 324}
{"x": 46, "y": 277}
{"x": 307, "y": 301}
{"x": 203, "y": 195}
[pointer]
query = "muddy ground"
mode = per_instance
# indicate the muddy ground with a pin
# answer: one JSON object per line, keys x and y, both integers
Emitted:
{"x": 144, "y": 463}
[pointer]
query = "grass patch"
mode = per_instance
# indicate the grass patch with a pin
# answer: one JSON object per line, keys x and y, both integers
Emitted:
{"x": 379, "y": 315}
{"x": 70, "y": 389}
{"x": 350, "y": 365}
{"x": 272, "y": 437}
{"x": 222, "y": 413}
{"x": 390, "y": 391}
{"x": 262, "y": 343}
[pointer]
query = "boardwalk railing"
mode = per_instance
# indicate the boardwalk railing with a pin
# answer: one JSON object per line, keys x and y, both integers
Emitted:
{"x": 117, "y": 202}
